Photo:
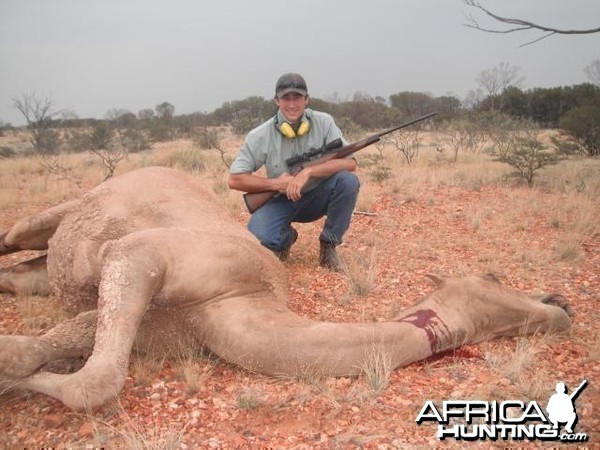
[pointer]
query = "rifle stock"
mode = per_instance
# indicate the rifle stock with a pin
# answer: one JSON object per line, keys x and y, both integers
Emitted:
{"x": 254, "y": 200}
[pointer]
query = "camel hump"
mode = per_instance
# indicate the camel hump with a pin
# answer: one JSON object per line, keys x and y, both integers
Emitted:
{"x": 151, "y": 197}
{"x": 155, "y": 191}
{"x": 149, "y": 179}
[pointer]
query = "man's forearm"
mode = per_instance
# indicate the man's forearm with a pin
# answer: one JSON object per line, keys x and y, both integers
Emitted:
{"x": 248, "y": 182}
{"x": 331, "y": 167}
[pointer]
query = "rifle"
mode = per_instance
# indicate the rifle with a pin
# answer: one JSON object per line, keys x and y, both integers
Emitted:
{"x": 332, "y": 150}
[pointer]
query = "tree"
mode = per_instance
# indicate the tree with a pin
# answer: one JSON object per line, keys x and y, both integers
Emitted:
{"x": 162, "y": 128}
{"x": 467, "y": 132}
{"x": 165, "y": 111}
{"x": 473, "y": 99}
{"x": 38, "y": 114}
{"x": 121, "y": 118}
{"x": 100, "y": 136}
{"x": 583, "y": 123}
{"x": 245, "y": 114}
{"x": 368, "y": 114}
{"x": 519, "y": 25}
{"x": 412, "y": 104}
{"x": 447, "y": 107}
{"x": 593, "y": 72}
{"x": 407, "y": 142}
{"x": 146, "y": 114}
{"x": 496, "y": 80}
{"x": 545, "y": 106}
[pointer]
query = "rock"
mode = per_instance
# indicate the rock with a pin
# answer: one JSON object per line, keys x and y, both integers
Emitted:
{"x": 86, "y": 429}
{"x": 54, "y": 420}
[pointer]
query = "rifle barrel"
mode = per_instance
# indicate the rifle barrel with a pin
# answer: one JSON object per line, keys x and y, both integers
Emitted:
{"x": 404, "y": 125}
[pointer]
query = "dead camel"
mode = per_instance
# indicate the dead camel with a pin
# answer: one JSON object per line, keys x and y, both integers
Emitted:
{"x": 149, "y": 260}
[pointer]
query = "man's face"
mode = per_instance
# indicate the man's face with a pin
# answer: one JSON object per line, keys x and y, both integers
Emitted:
{"x": 292, "y": 105}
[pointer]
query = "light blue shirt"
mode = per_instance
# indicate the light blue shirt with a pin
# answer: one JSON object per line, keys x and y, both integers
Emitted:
{"x": 265, "y": 145}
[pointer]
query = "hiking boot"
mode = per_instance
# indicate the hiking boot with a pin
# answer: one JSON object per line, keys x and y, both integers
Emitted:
{"x": 284, "y": 254}
{"x": 329, "y": 258}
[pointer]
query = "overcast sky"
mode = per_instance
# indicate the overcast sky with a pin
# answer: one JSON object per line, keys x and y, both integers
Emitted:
{"x": 91, "y": 56}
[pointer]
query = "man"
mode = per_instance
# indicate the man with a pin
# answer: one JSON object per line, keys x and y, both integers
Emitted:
{"x": 327, "y": 189}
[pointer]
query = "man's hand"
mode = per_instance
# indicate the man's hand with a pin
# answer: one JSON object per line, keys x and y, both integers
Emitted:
{"x": 296, "y": 184}
{"x": 323, "y": 170}
{"x": 282, "y": 182}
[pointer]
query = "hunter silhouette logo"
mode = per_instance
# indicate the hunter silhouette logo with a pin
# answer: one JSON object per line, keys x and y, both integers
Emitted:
{"x": 510, "y": 419}
{"x": 561, "y": 406}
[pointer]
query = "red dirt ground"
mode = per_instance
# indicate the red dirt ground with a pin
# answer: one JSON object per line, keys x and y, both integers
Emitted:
{"x": 447, "y": 230}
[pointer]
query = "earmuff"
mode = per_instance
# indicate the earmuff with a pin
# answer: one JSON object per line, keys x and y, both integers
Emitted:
{"x": 287, "y": 130}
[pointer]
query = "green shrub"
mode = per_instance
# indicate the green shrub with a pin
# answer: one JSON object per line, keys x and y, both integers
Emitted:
{"x": 583, "y": 123}
{"x": 6, "y": 152}
{"x": 527, "y": 155}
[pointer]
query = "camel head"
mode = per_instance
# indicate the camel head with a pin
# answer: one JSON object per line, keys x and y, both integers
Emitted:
{"x": 487, "y": 309}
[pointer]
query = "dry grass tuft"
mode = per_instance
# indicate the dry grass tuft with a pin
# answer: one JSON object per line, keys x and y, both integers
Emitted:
{"x": 249, "y": 398}
{"x": 130, "y": 432}
{"x": 194, "y": 372}
{"x": 39, "y": 313}
{"x": 361, "y": 270}
{"x": 377, "y": 368}
{"x": 145, "y": 368}
{"x": 515, "y": 364}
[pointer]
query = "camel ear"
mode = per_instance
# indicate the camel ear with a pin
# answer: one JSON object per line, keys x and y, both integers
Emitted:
{"x": 437, "y": 280}
{"x": 560, "y": 301}
{"x": 491, "y": 277}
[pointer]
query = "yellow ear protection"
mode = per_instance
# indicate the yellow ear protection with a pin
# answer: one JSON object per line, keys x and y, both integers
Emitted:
{"x": 287, "y": 130}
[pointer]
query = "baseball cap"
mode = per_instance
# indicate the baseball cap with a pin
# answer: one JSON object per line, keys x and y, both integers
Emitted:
{"x": 290, "y": 82}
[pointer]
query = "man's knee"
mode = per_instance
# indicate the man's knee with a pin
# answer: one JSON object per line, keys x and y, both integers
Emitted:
{"x": 347, "y": 182}
{"x": 261, "y": 231}
{"x": 267, "y": 231}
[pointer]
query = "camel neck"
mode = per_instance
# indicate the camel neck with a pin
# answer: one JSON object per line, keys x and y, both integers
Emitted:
{"x": 269, "y": 338}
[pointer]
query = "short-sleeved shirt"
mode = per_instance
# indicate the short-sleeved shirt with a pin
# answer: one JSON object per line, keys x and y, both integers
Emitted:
{"x": 265, "y": 145}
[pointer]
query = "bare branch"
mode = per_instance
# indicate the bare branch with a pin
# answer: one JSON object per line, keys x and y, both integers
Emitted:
{"x": 54, "y": 165}
{"x": 110, "y": 157}
{"x": 209, "y": 139}
{"x": 520, "y": 25}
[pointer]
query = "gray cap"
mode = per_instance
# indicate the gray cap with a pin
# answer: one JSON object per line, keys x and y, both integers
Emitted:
{"x": 290, "y": 82}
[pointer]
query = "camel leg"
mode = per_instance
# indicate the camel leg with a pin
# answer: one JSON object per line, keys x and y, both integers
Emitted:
{"x": 131, "y": 275}
{"x": 21, "y": 356}
{"x": 33, "y": 233}
{"x": 27, "y": 278}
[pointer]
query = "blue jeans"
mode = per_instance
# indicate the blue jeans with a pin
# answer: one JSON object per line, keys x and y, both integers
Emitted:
{"x": 335, "y": 198}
